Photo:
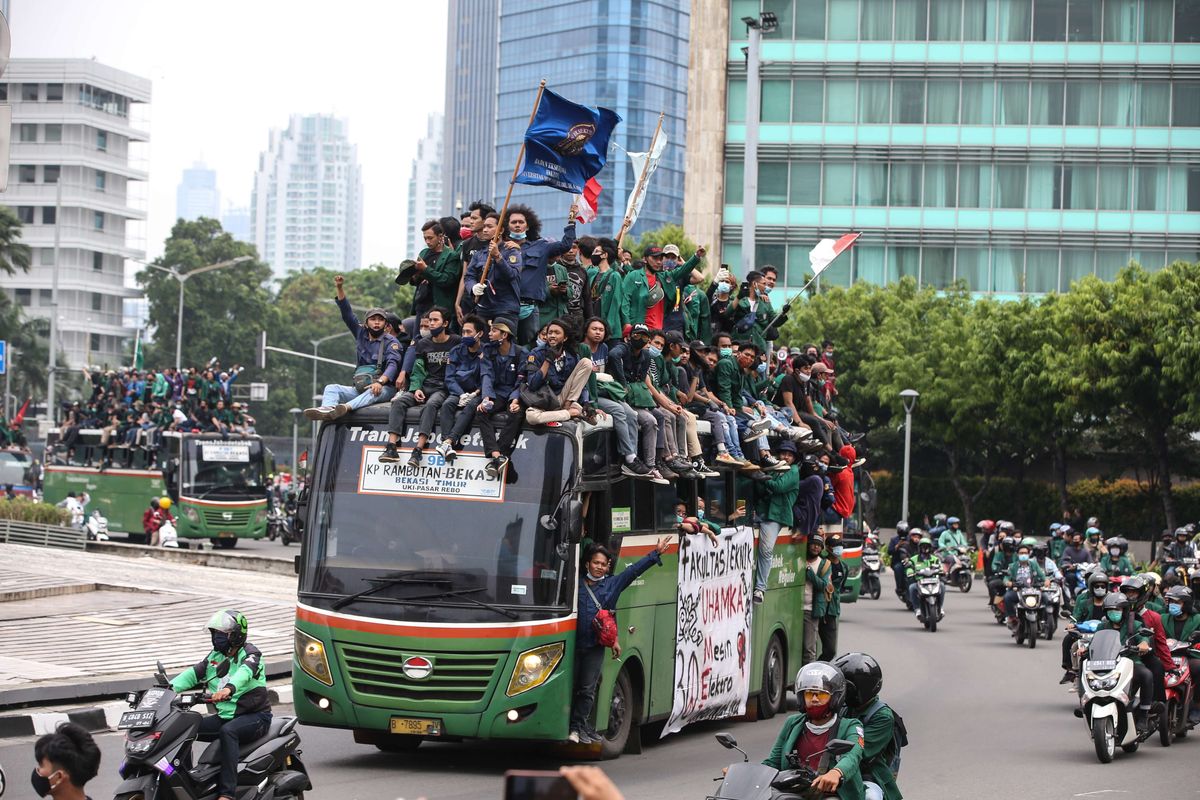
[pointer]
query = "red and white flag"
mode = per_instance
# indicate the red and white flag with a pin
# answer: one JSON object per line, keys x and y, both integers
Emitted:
{"x": 827, "y": 250}
{"x": 589, "y": 201}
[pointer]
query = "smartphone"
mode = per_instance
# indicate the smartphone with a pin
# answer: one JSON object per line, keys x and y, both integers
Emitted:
{"x": 522, "y": 784}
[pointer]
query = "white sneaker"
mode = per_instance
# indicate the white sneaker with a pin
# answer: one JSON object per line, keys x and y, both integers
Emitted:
{"x": 656, "y": 477}
{"x": 319, "y": 413}
{"x": 573, "y": 737}
{"x": 444, "y": 449}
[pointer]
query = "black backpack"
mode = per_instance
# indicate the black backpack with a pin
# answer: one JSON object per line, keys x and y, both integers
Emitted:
{"x": 899, "y": 735}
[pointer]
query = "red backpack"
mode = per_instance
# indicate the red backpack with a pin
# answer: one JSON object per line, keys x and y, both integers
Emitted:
{"x": 604, "y": 623}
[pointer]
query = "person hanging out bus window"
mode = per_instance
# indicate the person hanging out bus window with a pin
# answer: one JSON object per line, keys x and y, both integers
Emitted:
{"x": 464, "y": 377}
{"x": 427, "y": 389}
{"x": 500, "y": 372}
{"x": 554, "y": 372}
{"x": 598, "y": 590}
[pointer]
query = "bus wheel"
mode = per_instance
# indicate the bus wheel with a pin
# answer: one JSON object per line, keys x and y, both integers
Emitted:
{"x": 620, "y": 718}
{"x": 773, "y": 694}
{"x": 227, "y": 543}
{"x": 399, "y": 743}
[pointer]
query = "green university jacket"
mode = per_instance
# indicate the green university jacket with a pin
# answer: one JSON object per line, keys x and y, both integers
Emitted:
{"x": 245, "y": 673}
{"x": 851, "y": 787}
{"x": 442, "y": 273}
{"x": 636, "y": 290}
{"x": 606, "y": 298}
{"x": 878, "y": 746}
{"x": 1122, "y": 566}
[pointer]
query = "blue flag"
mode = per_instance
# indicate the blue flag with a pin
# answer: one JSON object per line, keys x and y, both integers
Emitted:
{"x": 566, "y": 144}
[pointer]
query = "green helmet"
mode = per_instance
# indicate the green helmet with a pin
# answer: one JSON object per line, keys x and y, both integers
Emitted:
{"x": 924, "y": 541}
{"x": 1029, "y": 542}
{"x": 231, "y": 623}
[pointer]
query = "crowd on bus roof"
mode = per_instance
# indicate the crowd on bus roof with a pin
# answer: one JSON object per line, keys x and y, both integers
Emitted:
{"x": 132, "y": 408}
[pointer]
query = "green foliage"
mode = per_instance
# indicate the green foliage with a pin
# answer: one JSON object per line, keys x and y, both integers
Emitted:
{"x": 663, "y": 236}
{"x": 14, "y": 254}
{"x": 24, "y": 510}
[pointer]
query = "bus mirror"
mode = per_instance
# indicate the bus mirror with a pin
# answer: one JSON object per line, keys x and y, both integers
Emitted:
{"x": 574, "y": 516}
{"x": 548, "y": 522}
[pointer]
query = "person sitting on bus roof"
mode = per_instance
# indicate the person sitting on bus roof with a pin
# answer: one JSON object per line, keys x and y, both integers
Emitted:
{"x": 628, "y": 362}
{"x": 427, "y": 388}
{"x": 464, "y": 378}
{"x": 419, "y": 330}
{"x": 500, "y": 371}
{"x": 555, "y": 365}
{"x": 672, "y": 418}
{"x": 695, "y": 371}
{"x": 377, "y": 355}
{"x": 677, "y": 356}
{"x": 598, "y": 589}
{"x": 225, "y": 381}
{"x": 609, "y": 395}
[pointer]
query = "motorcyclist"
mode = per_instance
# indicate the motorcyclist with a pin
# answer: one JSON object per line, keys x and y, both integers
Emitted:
{"x": 923, "y": 559}
{"x": 951, "y": 539}
{"x": 864, "y": 680}
{"x": 235, "y": 675}
{"x": 1094, "y": 535}
{"x": 1075, "y": 549}
{"x": 1057, "y": 542}
{"x": 940, "y": 523}
{"x": 1041, "y": 554}
{"x": 153, "y": 519}
{"x": 1114, "y": 561}
{"x": 1024, "y": 571}
{"x": 1119, "y": 615}
{"x": 1134, "y": 588}
{"x": 822, "y": 691}
{"x": 893, "y": 551}
{"x": 1181, "y": 623}
{"x": 1174, "y": 553}
{"x": 1089, "y": 605}
{"x": 985, "y": 528}
{"x": 1004, "y": 558}
{"x": 1154, "y": 599}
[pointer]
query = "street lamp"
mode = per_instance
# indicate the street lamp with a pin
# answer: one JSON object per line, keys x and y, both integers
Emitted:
{"x": 909, "y": 398}
{"x": 315, "y": 344}
{"x": 765, "y": 22}
{"x": 182, "y": 277}
{"x": 296, "y": 414}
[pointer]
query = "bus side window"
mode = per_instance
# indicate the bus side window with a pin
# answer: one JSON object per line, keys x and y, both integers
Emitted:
{"x": 597, "y": 522}
{"x": 716, "y": 499}
{"x": 665, "y": 498}
{"x": 643, "y": 504}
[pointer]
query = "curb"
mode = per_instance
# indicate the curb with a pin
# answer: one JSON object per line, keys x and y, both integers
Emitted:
{"x": 211, "y": 558}
{"x": 95, "y": 718}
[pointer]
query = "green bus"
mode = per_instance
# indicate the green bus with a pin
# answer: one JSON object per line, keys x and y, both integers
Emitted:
{"x": 217, "y": 485}
{"x": 435, "y": 603}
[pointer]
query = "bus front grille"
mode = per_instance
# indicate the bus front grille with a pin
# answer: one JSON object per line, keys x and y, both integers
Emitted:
{"x": 233, "y": 519}
{"x": 463, "y": 679}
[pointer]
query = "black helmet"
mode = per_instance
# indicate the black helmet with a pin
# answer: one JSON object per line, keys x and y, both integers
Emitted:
{"x": 902, "y": 527}
{"x": 1177, "y": 594}
{"x": 1008, "y": 544}
{"x": 820, "y": 676}
{"x": 1137, "y": 585}
{"x": 1117, "y": 601}
{"x": 1040, "y": 550}
{"x": 864, "y": 678}
{"x": 1097, "y": 578}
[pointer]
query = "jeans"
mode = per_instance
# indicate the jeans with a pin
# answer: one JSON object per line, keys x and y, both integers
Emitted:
{"x": 527, "y": 329}
{"x": 901, "y": 580}
{"x": 743, "y": 423}
{"x": 231, "y": 733}
{"x": 648, "y": 427}
{"x": 828, "y": 634}
{"x": 456, "y": 421}
{"x": 624, "y": 422}
{"x": 335, "y": 393}
{"x": 873, "y": 791}
{"x": 768, "y": 532}
{"x": 588, "y": 663}
{"x": 429, "y": 411}
{"x": 509, "y": 430}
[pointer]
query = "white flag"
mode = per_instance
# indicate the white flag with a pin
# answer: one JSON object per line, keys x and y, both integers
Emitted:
{"x": 827, "y": 250}
{"x": 638, "y": 160}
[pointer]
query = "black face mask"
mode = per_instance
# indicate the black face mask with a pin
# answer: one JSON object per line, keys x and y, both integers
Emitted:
{"x": 220, "y": 641}
{"x": 40, "y": 783}
{"x": 596, "y": 260}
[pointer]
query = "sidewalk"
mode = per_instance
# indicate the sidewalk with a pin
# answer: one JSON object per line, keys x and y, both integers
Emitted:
{"x": 77, "y": 625}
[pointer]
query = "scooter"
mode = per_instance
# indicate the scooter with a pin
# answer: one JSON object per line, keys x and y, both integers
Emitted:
{"x": 872, "y": 565}
{"x": 1180, "y": 692}
{"x": 746, "y": 781}
{"x": 160, "y": 730}
{"x": 929, "y": 588}
{"x": 1051, "y": 606}
{"x": 97, "y": 527}
{"x": 167, "y": 535}
{"x": 962, "y": 571}
{"x": 1029, "y": 614}
{"x": 275, "y": 522}
{"x": 1105, "y": 683}
{"x": 289, "y": 531}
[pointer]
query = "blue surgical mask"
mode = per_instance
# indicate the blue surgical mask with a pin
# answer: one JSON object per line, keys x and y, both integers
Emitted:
{"x": 1023, "y": 556}
{"x": 725, "y": 352}
{"x": 723, "y": 288}
{"x": 837, "y": 551}
{"x": 654, "y": 352}
{"x": 1114, "y": 616}
{"x": 1175, "y": 609}
{"x": 678, "y": 519}
{"x": 699, "y": 513}
{"x": 469, "y": 341}
{"x": 517, "y": 237}
{"x": 761, "y": 368}
{"x": 541, "y": 342}
{"x": 670, "y": 263}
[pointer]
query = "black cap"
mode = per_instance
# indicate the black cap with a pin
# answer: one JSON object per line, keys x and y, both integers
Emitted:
{"x": 675, "y": 337}
{"x": 408, "y": 270}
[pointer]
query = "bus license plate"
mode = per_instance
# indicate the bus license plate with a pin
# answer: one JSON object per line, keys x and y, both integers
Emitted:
{"x": 226, "y": 534}
{"x": 417, "y": 727}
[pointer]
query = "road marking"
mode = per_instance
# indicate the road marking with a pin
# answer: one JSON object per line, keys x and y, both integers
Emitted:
{"x": 1101, "y": 791}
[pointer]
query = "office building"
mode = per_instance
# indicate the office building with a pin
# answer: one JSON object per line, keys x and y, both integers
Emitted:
{"x": 425, "y": 196}
{"x": 237, "y": 223}
{"x": 306, "y": 206}
{"x": 1014, "y": 145}
{"x": 78, "y": 169}
{"x": 472, "y": 47}
{"x": 625, "y": 55}
{"x": 197, "y": 195}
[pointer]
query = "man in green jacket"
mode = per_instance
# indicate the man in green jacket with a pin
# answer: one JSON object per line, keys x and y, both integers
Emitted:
{"x": 650, "y": 293}
{"x": 924, "y": 558}
{"x": 440, "y": 264}
{"x": 776, "y": 498}
{"x": 234, "y": 674}
{"x": 822, "y": 691}
{"x": 755, "y": 309}
{"x": 1114, "y": 561}
{"x": 1025, "y": 571}
{"x": 817, "y": 591}
{"x": 828, "y": 624}
{"x": 864, "y": 680}
{"x": 605, "y": 287}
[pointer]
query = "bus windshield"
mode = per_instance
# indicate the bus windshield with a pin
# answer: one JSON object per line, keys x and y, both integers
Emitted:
{"x": 223, "y": 466}
{"x": 436, "y": 543}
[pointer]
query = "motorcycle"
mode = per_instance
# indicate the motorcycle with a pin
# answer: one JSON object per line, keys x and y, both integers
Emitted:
{"x": 161, "y": 728}
{"x": 746, "y": 781}
{"x": 97, "y": 527}
{"x": 929, "y": 587}
{"x": 290, "y": 530}
{"x": 872, "y": 565}
{"x": 167, "y": 535}
{"x": 961, "y": 572}
{"x": 275, "y": 523}
{"x": 1029, "y": 614}
{"x": 1052, "y": 600}
{"x": 1105, "y": 683}
{"x": 1180, "y": 692}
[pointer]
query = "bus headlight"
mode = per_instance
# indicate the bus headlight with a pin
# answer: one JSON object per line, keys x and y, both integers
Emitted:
{"x": 534, "y": 667}
{"x": 192, "y": 514}
{"x": 310, "y": 655}
{"x": 261, "y": 516}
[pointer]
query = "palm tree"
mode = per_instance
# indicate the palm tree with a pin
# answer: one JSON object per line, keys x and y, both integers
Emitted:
{"x": 14, "y": 255}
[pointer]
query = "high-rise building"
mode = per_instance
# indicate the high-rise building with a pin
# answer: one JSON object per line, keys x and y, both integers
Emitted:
{"x": 77, "y": 179}
{"x": 236, "y": 221}
{"x": 425, "y": 185}
{"x": 472, "y": 47}
{"x": 197, "y": 195}
{"x": 626, "y": 55}
{"x": 306, "y": 207}
{"x": 1015, "y": 145}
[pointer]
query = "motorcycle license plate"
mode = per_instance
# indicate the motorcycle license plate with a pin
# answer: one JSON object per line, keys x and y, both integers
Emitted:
{"x": 1095, "y": 665}
{"x": 417, "y": 727}
{"x": 136, "y": 719}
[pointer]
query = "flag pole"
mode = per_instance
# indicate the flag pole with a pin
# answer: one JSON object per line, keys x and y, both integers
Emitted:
{"x": 512, "y": 181}
{"x": 637, "y": 190}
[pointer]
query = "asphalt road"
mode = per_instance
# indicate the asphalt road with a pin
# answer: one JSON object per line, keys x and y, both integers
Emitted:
{"x": 986, "y": 719}
{"x": 259, "y": 547}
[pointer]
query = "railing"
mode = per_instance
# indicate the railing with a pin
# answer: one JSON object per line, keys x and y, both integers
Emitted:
{"x": 33, "y": 533}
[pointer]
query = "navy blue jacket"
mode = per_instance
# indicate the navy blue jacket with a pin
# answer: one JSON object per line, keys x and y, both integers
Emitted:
{"x": 535, "y": 255}
{"x": 463, "y": 372}
{"x": 501, "y": 373}
{"x": 558, "y": 373}
{"x": 500, "y": 298}
{"x": 607, "y": 590}
{"x": 366, "y": 349}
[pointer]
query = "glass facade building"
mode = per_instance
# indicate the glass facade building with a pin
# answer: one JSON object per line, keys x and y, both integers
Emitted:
{"x": 627, "y": 55}
{"x": 1016, "y": 145}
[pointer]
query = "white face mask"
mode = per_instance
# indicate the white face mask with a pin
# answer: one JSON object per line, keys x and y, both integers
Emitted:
{"x": 823, "y": 726}
{"x": 804, "y": 377}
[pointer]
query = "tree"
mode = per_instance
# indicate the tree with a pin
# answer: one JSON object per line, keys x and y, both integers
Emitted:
{"x": 14, "y": 254}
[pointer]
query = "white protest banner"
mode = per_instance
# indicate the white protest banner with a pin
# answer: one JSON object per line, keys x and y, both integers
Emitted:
{"x": 712, "y": 632}
{"x": 465, "y": 479}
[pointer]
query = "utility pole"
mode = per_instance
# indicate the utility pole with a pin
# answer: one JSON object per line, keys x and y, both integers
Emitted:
{"x": 53, "y": 366}
{"x": 766, "y": 22}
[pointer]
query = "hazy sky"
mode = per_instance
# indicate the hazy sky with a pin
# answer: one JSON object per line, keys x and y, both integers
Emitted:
{"x": 224, "y": 73}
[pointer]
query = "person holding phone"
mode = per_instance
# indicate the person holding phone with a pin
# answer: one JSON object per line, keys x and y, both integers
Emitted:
{"x": 598, "y": 589}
